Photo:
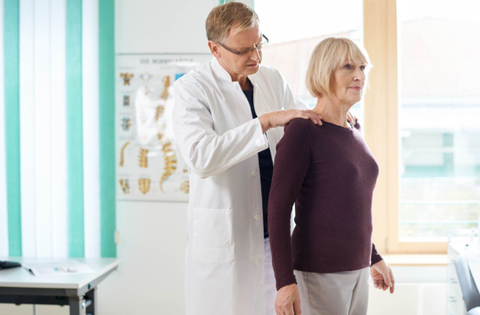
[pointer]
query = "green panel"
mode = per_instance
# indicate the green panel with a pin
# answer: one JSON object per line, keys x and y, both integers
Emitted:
{"x": 107, "y": 127}
{"x": 76, "y": 241}
{"x": 12, "y": 123}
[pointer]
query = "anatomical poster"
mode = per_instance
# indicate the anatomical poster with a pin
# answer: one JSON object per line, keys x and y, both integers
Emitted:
{"x": 149, "y": 164}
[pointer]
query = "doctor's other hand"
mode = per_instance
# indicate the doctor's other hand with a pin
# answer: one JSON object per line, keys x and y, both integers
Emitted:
{"x": 282, "y": 117}
{"x": 351, "y": 118}
{"x": 288, "y": 300}
{"x": 382, "y": 276}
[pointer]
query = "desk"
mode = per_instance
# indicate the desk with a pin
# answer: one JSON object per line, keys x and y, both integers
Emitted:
{"x": 455, "y": 304}
{"x": 20, "y": 286}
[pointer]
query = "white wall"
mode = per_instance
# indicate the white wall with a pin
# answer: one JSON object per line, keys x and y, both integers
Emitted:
{"x": 161, "y": 26}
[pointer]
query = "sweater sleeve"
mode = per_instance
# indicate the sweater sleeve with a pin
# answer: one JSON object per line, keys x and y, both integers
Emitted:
{"x": 376, "y": 257}
{"x": 290, "y": 168}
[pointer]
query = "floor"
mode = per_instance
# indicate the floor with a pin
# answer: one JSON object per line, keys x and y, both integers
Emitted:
{"x": 408, "y": 299}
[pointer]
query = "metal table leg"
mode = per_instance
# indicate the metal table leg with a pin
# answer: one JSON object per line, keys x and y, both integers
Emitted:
{"x": 75, "y": 303}
{"x": 91, "y": 296}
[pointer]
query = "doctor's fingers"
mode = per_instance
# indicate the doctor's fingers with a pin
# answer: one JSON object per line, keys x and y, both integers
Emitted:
{"x": 315, "y": 118}
{"x": 351, "y": 118}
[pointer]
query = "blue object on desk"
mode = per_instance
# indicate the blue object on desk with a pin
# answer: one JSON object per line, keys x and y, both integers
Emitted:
{"x": 470, "y": 293}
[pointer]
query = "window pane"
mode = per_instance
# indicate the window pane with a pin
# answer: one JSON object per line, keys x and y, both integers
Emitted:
{"x": 439, "y": 112}
{"x": 295, "y": 30}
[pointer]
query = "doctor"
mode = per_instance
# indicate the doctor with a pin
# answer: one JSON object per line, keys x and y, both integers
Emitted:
{"x": 225, "y": 118}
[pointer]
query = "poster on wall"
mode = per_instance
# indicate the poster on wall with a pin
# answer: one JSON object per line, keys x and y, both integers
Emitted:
{"x": 149, "y": 164}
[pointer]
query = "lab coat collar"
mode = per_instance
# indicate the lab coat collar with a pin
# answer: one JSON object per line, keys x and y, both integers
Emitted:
{"x": 223, "y": 74}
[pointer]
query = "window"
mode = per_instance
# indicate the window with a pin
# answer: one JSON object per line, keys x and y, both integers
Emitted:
{"x": 439, "y": 133}
{"x": 294, "y": 32}
{"x": 420, "y": 115}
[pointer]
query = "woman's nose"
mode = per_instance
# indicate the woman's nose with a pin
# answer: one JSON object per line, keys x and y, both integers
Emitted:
{"x": 359, "y": 77}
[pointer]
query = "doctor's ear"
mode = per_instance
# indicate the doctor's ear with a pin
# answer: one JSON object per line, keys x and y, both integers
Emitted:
{"x": 214, "y": 48}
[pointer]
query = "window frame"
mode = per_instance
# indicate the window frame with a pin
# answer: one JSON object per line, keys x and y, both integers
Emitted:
{"x": 381, "y": 108}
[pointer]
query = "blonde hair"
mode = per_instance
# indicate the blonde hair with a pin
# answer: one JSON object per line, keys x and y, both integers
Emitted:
{"x": 224, "y": 17}
{"x": 327, "y": 57}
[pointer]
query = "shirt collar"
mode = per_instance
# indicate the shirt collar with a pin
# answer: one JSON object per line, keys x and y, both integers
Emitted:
{"x": 224, "y": 75}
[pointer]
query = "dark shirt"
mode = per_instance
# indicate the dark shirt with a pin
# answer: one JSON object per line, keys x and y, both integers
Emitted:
{"x": 329, "y": 173}
{"x": 265, "y": 162}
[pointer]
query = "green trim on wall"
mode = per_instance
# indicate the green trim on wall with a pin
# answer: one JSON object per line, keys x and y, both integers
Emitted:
{"x": 107, "y": 127}
{"x": 11, "y": 44}
{"x": 76, "y": 240}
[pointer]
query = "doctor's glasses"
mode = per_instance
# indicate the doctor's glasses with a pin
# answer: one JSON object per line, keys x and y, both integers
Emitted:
{"x": 244, "y": 52}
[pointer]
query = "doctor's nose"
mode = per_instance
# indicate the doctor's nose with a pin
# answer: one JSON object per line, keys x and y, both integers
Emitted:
{"x": 256, "y": 55}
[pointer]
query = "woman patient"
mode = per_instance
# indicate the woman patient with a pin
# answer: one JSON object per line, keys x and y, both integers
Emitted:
{"x": 329, "y": 173}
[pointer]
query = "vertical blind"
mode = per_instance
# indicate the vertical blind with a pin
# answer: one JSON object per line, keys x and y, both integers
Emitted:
{"x": 57, "y": 154}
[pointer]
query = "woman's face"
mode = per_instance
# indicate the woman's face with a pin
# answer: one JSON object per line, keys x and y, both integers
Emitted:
{"x": 349, "y": 81}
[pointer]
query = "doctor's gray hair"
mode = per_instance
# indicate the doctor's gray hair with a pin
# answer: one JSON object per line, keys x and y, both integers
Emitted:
{"x": 327, "y": 56}
{"x": 224, "y": 17}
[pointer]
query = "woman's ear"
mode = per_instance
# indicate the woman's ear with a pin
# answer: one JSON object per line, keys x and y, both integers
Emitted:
{"x": 214, "y": 48}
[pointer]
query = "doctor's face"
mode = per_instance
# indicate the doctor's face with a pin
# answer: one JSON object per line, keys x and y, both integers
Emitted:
{"x": 237, "y": 54}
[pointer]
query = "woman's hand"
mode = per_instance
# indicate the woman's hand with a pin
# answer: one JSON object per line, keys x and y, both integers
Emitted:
{"x": 288, "y": 301}
{"x": 282, "y": 117}
{"x": 382, "y": 276}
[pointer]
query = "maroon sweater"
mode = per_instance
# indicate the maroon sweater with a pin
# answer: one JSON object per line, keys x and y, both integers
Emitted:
{"x": 329, "y": 173}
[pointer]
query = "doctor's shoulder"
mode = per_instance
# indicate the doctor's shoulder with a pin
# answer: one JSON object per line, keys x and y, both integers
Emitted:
{"x": 189, "y": 82}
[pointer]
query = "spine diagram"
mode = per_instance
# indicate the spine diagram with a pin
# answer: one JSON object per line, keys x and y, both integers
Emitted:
{"x": 122, "y": 154}
{"x": 125, "y": 186}
{"x": 126, "y": 124}
{"x": 126, "y": 78}
{"x": 159, "y": 112}
{"x": 142, "y": 158}
{"x": 144, "y": 185}
{"x": 166, "y": 85}
{"x": 185, "y": 187}
{"x": 170, "y": 163}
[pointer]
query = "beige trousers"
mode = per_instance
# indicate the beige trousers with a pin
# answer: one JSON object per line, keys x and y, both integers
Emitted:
{"x": 339, "y": 293}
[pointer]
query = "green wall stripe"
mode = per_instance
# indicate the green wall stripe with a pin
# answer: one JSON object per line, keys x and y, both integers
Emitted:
{"x": 107, "y": 127}
{"x": 76, "y": 241}
{"x": 12, "y": 123}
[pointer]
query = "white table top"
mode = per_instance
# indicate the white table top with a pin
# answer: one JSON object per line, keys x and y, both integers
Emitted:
{"x": 22, "y": 278}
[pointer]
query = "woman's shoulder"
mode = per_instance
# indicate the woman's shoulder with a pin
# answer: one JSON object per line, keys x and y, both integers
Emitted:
{"x": 300, "y": 125}
{"x": 299, "y": 130}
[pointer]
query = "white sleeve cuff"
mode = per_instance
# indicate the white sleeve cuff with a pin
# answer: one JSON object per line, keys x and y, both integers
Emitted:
{"x": 261, "y": 141}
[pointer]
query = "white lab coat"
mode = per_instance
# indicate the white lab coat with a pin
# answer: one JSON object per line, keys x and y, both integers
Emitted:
{"x": 219, "y": 141}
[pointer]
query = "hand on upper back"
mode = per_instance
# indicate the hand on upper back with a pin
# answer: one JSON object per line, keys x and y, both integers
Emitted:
{"x": 351, "y": 119}
{"x": 283, "y": 117}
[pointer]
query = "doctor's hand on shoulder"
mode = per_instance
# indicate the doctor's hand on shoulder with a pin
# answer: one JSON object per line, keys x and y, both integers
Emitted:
{"x": 382, "y": 276}
{"x": 282, "y": 117}
{"x": 288, "y": 300}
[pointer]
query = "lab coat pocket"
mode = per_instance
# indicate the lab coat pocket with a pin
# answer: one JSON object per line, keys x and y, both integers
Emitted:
{"x": 212, "y": 236}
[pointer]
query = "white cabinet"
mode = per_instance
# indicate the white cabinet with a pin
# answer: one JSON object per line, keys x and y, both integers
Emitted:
{"x": 455, "y": 303}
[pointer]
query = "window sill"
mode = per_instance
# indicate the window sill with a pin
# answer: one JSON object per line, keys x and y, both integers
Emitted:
{"x": 416, "y": 259}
